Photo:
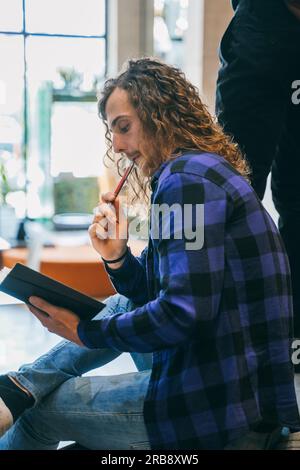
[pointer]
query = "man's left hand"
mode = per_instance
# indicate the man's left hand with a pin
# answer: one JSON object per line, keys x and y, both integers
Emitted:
{"x": 57, "y": 320}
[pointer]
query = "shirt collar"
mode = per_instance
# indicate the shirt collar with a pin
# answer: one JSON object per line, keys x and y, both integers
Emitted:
{"x": 156, "y": 175}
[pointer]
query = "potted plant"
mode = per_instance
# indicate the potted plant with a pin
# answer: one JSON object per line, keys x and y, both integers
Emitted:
{"x": 4, "y": 186}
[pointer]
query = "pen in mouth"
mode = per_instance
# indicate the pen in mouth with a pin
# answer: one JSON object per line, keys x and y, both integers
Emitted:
{"x": 123, "y": 179}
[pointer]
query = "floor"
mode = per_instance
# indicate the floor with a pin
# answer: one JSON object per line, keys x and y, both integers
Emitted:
{"x": 22, "y": 339}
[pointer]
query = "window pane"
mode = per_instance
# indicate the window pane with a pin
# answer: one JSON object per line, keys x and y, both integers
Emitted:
{"x": 48, "y": 58}
{"x": 11, "y": 15}
{"x": 170, "y": 25}
{"x": 76, "y": 134}
{"x": 82, "y": 17}
{"x": 11, "y": 119}
{"x": 77, "y": 140}
{"x": 11, "y": 74}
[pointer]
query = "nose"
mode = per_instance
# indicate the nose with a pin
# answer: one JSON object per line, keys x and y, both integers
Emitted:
{"x": 118, "y": 143}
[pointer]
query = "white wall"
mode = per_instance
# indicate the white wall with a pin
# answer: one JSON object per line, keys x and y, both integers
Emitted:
{"x": 130, "y": 31}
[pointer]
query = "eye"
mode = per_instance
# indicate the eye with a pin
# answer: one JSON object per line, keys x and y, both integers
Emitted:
{"x": 124, "y": 129}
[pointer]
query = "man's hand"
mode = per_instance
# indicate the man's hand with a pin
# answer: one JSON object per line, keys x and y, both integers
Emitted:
{"x": 57, "y": 320}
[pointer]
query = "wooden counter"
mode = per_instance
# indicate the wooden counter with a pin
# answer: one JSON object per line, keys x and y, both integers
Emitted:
{"x": 79, "y": 267}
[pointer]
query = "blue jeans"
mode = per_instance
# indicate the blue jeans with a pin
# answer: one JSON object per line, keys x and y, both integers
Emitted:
{"x": 103, "y": 412}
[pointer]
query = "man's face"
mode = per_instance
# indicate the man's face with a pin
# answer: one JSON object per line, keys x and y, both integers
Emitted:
{"x": 125, "y": 127}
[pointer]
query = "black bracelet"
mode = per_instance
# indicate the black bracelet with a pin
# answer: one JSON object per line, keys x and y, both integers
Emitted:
{"x": 113, "y": 261}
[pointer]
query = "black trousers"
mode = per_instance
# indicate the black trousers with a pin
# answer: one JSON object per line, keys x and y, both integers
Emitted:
{"x": 257, "y": 104}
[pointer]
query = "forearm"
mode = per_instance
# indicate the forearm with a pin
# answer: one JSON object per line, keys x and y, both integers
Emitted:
{"x": 130, "y": 279}
{"x": 188, "y": 282}
{"x": 172, "y": 319}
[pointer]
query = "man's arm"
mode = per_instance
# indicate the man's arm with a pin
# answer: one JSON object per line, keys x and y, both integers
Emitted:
{"x": 294, "y": 7}
{"x": 130, "y": 279}
{"x": 191, "y": 281}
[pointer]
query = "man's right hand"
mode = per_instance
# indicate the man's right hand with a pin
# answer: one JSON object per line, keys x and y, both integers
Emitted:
{"x": 109, "y": 230}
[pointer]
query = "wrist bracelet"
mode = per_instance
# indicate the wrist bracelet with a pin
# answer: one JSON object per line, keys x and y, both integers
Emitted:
{"x": 112, "y": 261}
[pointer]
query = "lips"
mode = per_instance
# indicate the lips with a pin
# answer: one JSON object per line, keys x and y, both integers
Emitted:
{"x": 134, "y": 158}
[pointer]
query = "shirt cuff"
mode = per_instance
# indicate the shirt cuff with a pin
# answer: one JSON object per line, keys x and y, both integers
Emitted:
{"x": 91, "y": 335}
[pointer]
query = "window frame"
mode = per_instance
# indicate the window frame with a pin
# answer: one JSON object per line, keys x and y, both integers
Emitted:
{"x": 24, "y": 33}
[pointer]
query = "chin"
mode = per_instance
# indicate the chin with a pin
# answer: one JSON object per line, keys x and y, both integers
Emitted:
{"x": 144, "y": 169}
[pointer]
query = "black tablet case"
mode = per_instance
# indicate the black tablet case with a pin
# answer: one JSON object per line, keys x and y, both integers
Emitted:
{"x": 23, "y": 282}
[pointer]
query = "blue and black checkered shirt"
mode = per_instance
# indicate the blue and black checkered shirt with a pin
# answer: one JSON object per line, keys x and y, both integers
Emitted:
{"x": 218, "y": 320}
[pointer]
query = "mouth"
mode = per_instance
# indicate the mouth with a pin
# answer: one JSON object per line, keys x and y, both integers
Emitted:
{"x": 135, "y": 157}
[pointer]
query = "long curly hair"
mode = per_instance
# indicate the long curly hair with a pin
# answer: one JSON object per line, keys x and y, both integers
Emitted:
{"x": 174, "y": 119}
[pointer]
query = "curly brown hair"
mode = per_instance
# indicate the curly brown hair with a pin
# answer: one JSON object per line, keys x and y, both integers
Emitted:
{"x": 174, "y": 119}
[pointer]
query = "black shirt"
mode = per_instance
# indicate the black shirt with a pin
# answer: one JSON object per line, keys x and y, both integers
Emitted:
{"x": 268, "y": 13}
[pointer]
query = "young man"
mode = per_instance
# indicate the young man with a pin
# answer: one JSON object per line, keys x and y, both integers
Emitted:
{"x": 215, "y": 314}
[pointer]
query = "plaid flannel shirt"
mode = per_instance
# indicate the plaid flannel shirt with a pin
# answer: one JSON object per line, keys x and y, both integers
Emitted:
{"x": 218, "y": 320}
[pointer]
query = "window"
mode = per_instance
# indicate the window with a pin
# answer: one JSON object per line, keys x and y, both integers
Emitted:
{"x": 53, "y": 56}
{"x": 170, "y": 26}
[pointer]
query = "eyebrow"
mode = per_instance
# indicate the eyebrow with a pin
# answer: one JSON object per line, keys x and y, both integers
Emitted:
{"x": 114, "y": 122}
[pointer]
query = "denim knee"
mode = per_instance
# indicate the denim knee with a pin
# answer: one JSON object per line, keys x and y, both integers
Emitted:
{"x": 116, "y": 303}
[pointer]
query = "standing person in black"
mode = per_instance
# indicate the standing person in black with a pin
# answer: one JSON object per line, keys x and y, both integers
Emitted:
{"x": 258, "y": 103}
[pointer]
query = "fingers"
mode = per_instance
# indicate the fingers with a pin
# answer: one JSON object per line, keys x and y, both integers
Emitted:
{"x": 105, "y": 219}
{"x": 108, "y": 197}
{"x": 105, "y": 210}
{"x": 97, "y": 231}
{"x": 46, "y": 320}
{"x": 110, "y": 221}
{"x": 41, "y": 316}
{"x": 101, "y": 232}
{"x": 112, "y": 202}
{"x": 43, "y": 307}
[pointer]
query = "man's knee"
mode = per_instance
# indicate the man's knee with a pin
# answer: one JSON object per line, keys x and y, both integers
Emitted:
{"x": 116, "y": 304}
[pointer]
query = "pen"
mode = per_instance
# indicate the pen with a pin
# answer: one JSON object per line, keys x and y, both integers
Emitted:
{"x": 122, "y": 180}
{"x": 120, "y": 185}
